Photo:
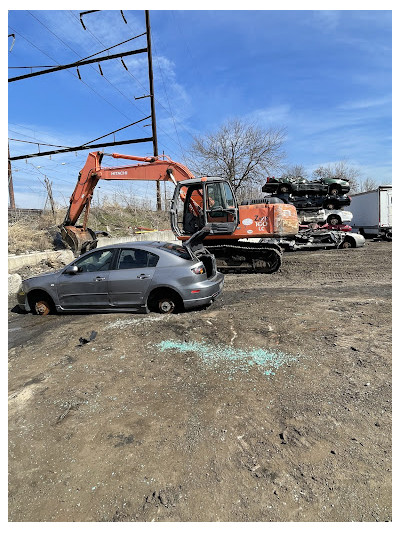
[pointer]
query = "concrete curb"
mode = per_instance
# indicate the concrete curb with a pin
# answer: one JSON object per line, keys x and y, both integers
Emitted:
{"x": 16, "y": 262}
{"x": 165, "y": 236}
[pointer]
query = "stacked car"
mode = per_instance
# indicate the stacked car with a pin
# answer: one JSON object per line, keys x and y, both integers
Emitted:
{"x": 319, "y": 201}
{"x": 323, "y": 221}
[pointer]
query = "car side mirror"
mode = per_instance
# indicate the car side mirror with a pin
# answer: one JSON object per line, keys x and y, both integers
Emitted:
{"x": 71, "y": 269}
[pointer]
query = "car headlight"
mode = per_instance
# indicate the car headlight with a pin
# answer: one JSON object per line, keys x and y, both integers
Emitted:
{"x": 21, "y": 291}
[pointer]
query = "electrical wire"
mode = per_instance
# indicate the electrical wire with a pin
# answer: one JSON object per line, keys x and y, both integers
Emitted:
{"x": 138, "y": 81}
{"x": 115, "y": 88}
{"x": 169, "y": 105}
{"x": 98, "y": 94}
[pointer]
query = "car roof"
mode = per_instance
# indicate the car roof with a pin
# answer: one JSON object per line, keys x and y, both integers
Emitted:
{"x": 136, "y": 244}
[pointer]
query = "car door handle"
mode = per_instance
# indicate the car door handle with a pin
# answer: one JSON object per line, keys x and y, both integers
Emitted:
{"x": 143, "y": 276}
{"x": 99, "y": 279}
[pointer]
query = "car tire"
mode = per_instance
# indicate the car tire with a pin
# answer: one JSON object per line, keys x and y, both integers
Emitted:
{"x": 347, "y": 243}
{"x": 284, "y": 189}
{"x": 330, "y": 205}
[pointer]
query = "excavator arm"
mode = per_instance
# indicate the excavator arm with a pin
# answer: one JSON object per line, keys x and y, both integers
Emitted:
{"x": 150, "y": 169}
{"x": 80, "y": 238}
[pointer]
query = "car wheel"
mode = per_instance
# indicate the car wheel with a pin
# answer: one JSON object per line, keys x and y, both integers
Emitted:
{"x": 347, "y": 244}
{"x": 42, "y": 307}
{"x": 165, "y": 302}
{"x": 330, "y": 205}
{"x": 334, "y": 220}
{"x": 334, "y": 190}
{"x": 166, "y": 305}
{"x": 284, "y": 189}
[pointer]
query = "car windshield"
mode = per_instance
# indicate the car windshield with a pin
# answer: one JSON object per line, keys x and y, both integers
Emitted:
{"x": 175, "y": 249}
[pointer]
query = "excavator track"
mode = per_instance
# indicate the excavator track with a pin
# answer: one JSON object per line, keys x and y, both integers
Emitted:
{"x": 247, "y": 258}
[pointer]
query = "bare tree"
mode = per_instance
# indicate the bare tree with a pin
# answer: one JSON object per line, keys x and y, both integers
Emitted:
{"x": 369, "y": 184}
{"x": 241, "y": 152}
{"x": 340, "y": 170}
{"x": 294, "y": 172}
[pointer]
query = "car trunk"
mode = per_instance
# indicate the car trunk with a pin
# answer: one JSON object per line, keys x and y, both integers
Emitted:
{"x": 208, "y": 261}
{"x": 196, "y": 248}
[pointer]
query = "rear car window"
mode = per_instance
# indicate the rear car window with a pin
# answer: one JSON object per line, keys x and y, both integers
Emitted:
{"x": 136, "y": 258}
{"x": 175, "y": 249}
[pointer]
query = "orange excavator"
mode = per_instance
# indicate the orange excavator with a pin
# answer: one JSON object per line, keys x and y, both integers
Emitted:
{"x": 202, "y": 209}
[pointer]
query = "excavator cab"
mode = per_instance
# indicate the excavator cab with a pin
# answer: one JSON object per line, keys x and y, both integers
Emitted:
{"x": 204, "y": 203}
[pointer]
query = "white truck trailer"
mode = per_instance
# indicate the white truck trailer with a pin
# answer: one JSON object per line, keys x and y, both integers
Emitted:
{"x": 372, "y": 212}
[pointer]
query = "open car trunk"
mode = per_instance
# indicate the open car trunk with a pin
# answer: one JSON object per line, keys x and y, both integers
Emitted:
{"x": 196, "y": 248}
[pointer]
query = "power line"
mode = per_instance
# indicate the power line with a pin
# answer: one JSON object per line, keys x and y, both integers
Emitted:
{"x": 79, "y": 148}
{"x": 37, "y": 143}
{"x": 75, "y": 52}
{"x": 141, "y": 85}
{"x": 78, "y": 64}
{"x": 72, "y": 74}
{"x": 110, "y": 47}
{"x": 91, "y": 88}
{"x": 169, "y": 105}
{"x": 98, "y": 40}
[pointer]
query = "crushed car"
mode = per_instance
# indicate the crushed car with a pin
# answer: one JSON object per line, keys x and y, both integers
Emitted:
{"x": 301, "y": 186}
{"x": 333, "y": 217}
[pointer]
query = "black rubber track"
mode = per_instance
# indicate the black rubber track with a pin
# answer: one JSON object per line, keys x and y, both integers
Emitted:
{"x": 257, "y": 258}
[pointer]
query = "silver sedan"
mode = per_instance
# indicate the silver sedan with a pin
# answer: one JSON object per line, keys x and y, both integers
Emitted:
{"x": 137, "y": 276}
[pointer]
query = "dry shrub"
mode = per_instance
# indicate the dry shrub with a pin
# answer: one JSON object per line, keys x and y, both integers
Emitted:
{"x": 119, "y": 220}
{"x": 39, "y": 232}
{"x": 25, "y": 235}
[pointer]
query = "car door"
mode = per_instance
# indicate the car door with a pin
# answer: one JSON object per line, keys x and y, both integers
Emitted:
{"x": 129, "y": 281}
{"x": 87, "y": 288}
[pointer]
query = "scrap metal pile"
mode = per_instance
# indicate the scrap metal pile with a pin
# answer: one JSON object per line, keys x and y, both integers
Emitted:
{"x": 323, "y": 221}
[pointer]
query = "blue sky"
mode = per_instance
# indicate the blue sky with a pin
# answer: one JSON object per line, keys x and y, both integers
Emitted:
{"x": 325, "y": 76}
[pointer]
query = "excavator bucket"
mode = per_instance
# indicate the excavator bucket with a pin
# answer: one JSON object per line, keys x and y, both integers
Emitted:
{"x": 78, "y": 238}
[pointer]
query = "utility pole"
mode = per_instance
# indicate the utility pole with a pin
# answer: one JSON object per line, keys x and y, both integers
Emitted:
{"x": 153, "y": 109}
{"x": 10, "y": 182}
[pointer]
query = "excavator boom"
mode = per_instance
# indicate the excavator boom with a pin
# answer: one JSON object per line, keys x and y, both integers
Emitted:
{"x": 150, "y": 169}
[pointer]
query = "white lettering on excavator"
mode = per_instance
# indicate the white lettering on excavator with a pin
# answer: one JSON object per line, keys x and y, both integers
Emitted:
{"x": 119, "y": 173}
{"x": 261, "y": 222}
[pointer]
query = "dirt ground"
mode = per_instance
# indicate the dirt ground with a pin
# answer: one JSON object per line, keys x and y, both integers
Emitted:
{"x": 274, "y": 404}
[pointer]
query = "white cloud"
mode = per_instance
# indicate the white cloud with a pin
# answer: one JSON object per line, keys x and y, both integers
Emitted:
{"x": 364, "y": 104}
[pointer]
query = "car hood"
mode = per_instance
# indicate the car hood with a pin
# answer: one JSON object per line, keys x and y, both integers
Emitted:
{"x": 48, "y": 277}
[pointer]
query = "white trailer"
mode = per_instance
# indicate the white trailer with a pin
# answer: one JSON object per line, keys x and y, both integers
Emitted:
{"x": 372, "y": 212}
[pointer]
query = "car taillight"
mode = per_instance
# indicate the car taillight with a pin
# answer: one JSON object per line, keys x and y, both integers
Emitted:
{"x": 349, "y": 197}
{"x": 198, "y": 269}
{"x": 268, "y": 179}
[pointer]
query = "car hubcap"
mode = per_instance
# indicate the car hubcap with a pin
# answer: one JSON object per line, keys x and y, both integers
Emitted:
{"x": 166, "y": 306}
